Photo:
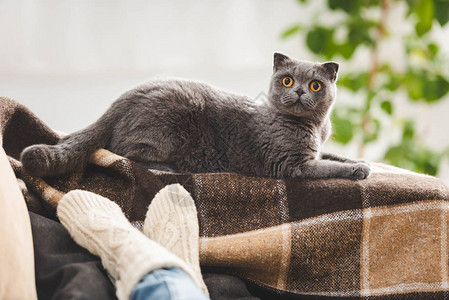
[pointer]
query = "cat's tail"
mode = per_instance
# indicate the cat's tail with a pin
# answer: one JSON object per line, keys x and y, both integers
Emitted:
{"x": 70, "y": 154}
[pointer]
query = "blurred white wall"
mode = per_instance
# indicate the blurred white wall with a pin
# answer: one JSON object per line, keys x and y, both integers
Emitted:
{"x": 68, "y": 60}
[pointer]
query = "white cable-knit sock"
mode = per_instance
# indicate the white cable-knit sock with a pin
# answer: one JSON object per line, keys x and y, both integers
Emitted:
{"x": 100, "y": 226}
{"x": 172, "y": 221}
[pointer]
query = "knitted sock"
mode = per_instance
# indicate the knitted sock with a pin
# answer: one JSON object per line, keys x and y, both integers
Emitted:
{"x": 172, "y": 221}
{"x": 100, "y": 226}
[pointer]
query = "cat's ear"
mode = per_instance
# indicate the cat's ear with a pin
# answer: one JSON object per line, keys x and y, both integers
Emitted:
{"x": 331, "y": 69}
{"x": 279, "y": 60}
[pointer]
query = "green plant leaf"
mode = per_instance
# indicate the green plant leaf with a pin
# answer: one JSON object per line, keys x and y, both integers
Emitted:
{"x": 320, "y": 41}
{"x": 348, "y": 6}
{"x": 343, "y": 129}
{"x": 408, "y": 131}
{"x": 420, "y": 85}
{"x": 346, "y": 50}
{"x": 387, "y": 107}
{"x": 396, "y": 155}
{"x": 412, "y": 155}
{"x": 354, "y": 81}
{"x": 360, "y": 31}
{"x": 414, "y": 83}
{"x": 393, "y": 82}
{"x": 424, "y": 10}
{"x": 442, "y": 11}
{"x": 433, "y": 49}
{"x": 435, "y": 89}
{"x": 290, "y": 31}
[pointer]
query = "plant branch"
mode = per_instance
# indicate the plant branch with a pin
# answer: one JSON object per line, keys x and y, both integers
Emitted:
{"x": 374, "y": 68}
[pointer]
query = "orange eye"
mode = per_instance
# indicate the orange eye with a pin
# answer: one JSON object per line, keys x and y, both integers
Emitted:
{"x": 315, "y": 86}
{"x": 287, "y": 81}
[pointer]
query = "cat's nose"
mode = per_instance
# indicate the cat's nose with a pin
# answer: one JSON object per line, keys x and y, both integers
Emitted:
{"x": 299, "y": 92}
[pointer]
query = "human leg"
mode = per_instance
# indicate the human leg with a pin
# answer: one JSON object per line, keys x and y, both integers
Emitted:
{"x": 172, "y": 221}
{"x": 100, "y": 226}
{"x": 167, "y": 284}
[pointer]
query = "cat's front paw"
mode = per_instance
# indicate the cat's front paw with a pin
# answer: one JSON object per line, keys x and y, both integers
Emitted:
{"x": 362, "y": 161}
{"x": 361, "y": 171}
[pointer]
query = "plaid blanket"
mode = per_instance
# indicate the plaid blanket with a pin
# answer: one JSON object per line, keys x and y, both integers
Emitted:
{"x": 385, "y": 237}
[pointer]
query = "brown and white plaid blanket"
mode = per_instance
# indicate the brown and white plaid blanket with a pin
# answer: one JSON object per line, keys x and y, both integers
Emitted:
{"x": 385, "y": 237}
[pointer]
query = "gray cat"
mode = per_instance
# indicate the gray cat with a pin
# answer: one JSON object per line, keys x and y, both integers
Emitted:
{"x": 193, "y": 127}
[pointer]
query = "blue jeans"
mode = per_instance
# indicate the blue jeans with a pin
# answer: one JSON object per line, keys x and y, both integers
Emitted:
{"x": 167, "y": 284}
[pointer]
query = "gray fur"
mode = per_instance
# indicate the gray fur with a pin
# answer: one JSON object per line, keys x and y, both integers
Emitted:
{"x": 193, "y": 127}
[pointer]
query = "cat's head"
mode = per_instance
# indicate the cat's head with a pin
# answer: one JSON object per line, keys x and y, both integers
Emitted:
{"x": 302, "y": 88}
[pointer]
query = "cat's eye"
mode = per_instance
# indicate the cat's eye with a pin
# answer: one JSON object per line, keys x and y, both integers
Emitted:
{"x": 287, "y": 81}
{"x": 315, "y": 86}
